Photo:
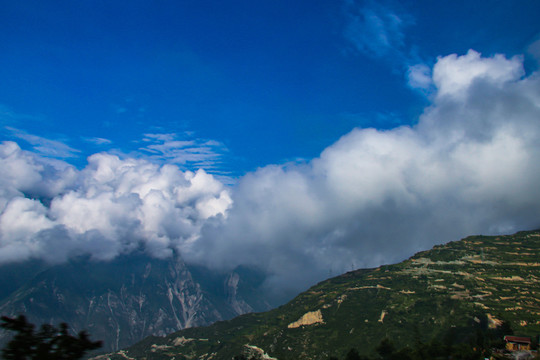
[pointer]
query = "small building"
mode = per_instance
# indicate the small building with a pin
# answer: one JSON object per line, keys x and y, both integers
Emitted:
{"x": 516, "y": 343}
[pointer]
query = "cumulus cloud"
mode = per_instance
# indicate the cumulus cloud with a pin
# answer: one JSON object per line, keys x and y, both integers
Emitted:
{"x": 112, "y": 206}
{"x": 454, "y": 75}
{"x": 469, "y": 166}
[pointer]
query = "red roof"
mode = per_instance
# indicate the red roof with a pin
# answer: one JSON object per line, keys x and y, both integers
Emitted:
{"x": 517, "y": 339}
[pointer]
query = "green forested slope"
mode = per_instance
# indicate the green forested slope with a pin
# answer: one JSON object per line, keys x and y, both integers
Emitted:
{"x": 457, "y": 288}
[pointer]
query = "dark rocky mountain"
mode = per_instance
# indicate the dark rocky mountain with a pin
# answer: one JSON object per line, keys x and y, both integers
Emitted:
{"x": 129, "y": 298}
{"x": 14, "y": 275}
{"x": 453, "y": 294}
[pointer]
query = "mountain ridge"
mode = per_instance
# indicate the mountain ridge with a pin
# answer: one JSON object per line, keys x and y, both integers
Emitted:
{"x": 479, "y": 281}
{"x": 131, "y": 297}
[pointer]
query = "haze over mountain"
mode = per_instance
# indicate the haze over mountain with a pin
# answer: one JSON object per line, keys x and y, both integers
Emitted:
{"x": 391, "y": 127}
{"x": 124, "y": 300}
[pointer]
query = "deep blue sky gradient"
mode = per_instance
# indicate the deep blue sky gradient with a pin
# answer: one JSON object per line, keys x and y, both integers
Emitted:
{"x": 273, "y": 81}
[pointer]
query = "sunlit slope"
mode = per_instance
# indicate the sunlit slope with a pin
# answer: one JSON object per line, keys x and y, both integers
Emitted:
{"x": 478, "y": 281}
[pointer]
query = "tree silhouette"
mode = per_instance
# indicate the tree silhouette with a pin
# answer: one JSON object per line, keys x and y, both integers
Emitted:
{"x": 49, "y": 343}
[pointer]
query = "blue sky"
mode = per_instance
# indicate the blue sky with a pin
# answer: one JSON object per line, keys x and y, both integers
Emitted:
{"x": 304, "y": 138}
{"x": 268, "y": 81}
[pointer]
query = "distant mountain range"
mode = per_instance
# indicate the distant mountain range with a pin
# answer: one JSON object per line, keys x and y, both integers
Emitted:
{"x": 125, "y": 300}
{"x": 480, "y": 281}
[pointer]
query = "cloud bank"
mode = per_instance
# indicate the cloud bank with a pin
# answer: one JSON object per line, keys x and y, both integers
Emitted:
{"x": 470, "y": 165}
{"x": 111, "y": 207}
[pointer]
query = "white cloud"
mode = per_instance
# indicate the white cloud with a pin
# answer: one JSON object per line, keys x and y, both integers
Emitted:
{"x": 111, "y": 207}
{"x": 419, "y": 77}
{"x": 453, "y": 75}
{"x": 469, "y": 166}
{"x": 25, "y": 174}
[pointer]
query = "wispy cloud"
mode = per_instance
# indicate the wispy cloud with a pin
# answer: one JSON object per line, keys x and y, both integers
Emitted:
{"x": 184, "y": 150}
{"x": 98, "y": 141}
{"x": 376, "y": 29}
{"x": 419, "y": 77}
{"x": 45, "y": 147}
{"x": 9, "y": 117}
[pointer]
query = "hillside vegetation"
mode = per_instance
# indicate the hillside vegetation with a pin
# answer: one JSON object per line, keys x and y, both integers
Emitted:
{"x": 476, "y": 283}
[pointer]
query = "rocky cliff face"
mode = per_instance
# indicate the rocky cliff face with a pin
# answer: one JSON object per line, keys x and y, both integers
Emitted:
{"x": 123, "y": 301}
{"x": 231, "y": 289}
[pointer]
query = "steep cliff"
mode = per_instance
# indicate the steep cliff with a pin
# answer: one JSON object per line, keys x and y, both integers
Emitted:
{"x": 125, "y": 300}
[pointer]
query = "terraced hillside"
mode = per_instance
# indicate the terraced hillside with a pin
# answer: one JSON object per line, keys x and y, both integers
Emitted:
{"x": 479, "y": 281}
